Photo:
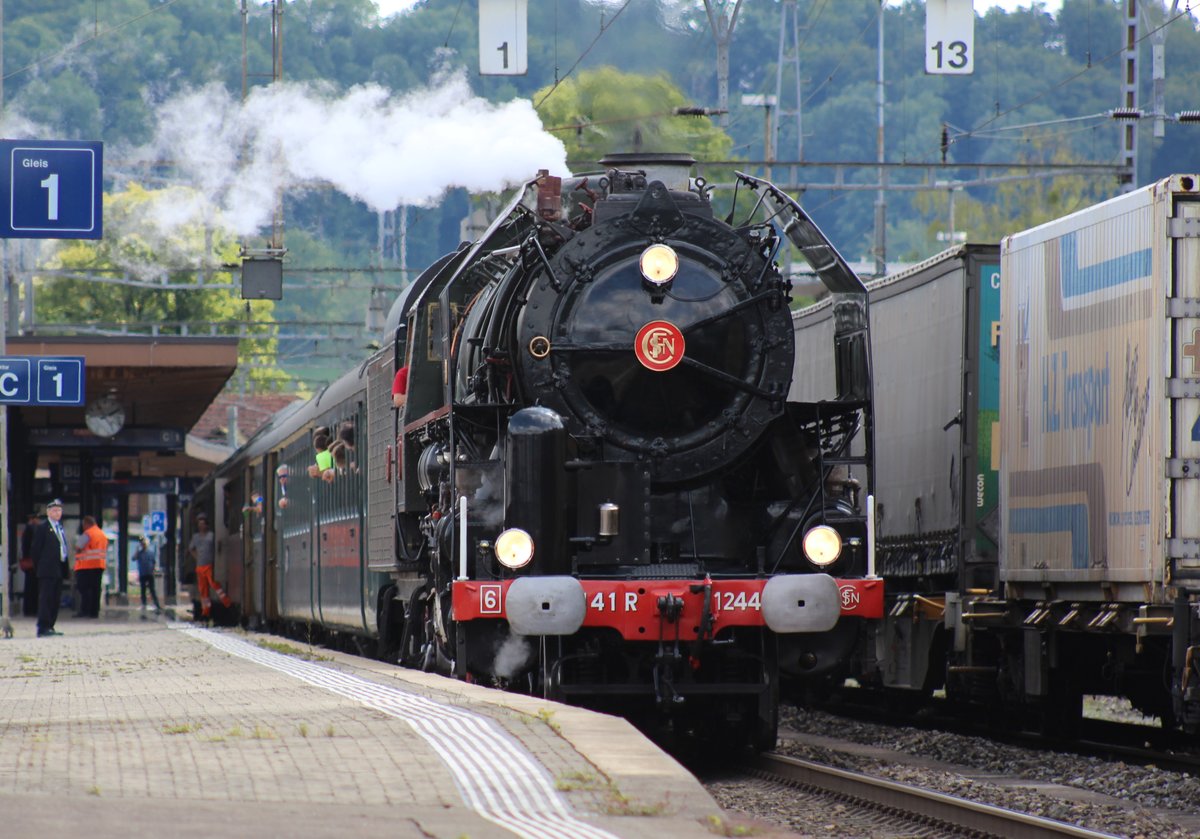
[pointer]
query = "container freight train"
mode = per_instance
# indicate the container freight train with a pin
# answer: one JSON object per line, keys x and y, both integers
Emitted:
{"x": 596, "y": 488}
{"x": 1038, "y": 424}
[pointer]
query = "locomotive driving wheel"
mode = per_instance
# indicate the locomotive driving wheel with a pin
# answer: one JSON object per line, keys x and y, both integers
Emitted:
{"x": 414, "y": 639}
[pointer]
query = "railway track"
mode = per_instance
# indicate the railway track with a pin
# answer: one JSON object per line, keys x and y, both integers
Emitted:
{"x": 1104, "y": 739}
{"x": 948, "y": 815}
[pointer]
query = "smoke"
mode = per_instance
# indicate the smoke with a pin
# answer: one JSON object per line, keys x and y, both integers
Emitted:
{"x": 512, "y": 656}
{"x": 379, "y": 148}
{"x": 15, "y": 124}
{"x": 487, "y": 502}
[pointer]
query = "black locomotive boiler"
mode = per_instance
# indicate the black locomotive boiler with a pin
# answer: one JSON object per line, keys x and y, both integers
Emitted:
{"x": 597, "y": 488}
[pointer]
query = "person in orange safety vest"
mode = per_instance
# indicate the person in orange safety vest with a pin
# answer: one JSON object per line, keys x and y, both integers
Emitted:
{"x": 91, "y": 548}
{"x": 203, "y": 549}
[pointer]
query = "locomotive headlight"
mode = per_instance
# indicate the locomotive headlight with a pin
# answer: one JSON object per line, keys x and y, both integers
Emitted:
{"x": 514, "y": 548}
{"x": 822, "y": 545}
{"x": 659, "y": 263}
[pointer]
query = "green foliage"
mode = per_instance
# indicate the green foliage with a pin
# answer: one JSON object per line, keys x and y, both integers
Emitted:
{"x": 606, "y": 77}
{"x": 605, "y": 110}
{"x": 145, "y": 246}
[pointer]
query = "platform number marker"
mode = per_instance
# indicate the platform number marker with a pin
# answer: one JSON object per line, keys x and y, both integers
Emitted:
{"x": 53, "y": 189}
{"x": 949, "y": 37}
{"x": 42, "y": 380}
{"x": 503, "y": 37}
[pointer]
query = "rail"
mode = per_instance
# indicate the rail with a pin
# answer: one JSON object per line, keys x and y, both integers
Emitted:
{"x": 912, "y": 802}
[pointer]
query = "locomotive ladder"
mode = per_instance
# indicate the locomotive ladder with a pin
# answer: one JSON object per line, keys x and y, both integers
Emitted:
{"x": 835, "y": 416}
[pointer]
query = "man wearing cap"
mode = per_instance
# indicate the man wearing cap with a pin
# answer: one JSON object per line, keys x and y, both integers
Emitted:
{"x": 50, "y": 561}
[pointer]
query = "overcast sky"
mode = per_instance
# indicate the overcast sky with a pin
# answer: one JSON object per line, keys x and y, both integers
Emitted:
{"x": 387, "y": 7}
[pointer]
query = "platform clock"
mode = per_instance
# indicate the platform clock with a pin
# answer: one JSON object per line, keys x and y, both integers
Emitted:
{"x": 105, "y": 416}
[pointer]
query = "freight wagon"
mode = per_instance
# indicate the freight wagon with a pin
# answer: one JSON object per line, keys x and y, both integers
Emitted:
{"x": 936, "y": 371}
{"x": 1100, "y": 440}
{"x": 1038, "y": 447}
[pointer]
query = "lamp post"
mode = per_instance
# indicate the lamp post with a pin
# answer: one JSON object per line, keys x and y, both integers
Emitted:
{"x": 767, "y": 102}
{"x": 952, "y": 236}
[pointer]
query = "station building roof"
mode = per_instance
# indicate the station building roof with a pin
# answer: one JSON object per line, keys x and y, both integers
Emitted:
{"x": 164, "y": 384}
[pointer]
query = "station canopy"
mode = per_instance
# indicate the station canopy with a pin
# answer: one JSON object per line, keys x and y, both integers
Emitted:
{"x": 163, "y": 384}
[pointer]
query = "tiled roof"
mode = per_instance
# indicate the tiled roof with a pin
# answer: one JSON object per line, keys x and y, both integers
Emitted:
{"x": 252, "y": 412}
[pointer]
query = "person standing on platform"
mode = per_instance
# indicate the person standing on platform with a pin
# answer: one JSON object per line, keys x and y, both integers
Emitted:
{"x": 91, "y": 550}
{"x": 49, "y": 553}
{"x": 29, "y": 593}
{"x": 145, "y": 566}
{"x": 203, "y": 549}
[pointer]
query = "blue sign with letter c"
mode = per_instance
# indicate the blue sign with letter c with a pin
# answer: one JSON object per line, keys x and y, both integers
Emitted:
{"x": 41, "y": 380}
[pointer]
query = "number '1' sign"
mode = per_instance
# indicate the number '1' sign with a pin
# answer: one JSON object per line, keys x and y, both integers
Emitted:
{"x": 949, "y": 37}
{"x": 503, "y": 37}
{"x": 41, "y": 380}
{"x": 52, "y": 189}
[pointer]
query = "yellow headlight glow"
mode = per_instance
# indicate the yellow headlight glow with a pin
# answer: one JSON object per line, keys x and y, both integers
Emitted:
{"x": 514, "y": 548}
{"x": 822, "y": 545}
{"x": 659, "y": 264}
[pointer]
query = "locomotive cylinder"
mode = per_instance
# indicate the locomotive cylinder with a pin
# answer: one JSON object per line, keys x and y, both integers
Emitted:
{"x": 536, "y": 486}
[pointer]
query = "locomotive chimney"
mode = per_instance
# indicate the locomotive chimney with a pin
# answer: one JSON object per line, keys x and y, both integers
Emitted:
{"x": 672, "y": 168}
{"x": 549, "y": 196}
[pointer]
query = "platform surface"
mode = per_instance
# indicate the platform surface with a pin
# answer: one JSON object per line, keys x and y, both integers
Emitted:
{"x": 125, "y": 726}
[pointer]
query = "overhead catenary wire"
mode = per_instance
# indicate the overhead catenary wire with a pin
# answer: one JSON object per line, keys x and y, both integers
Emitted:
{"x": 995, "y": 133}
{"x": 95, "y": 37}
{"x": 845, "y": 56}
{"x": 453, "y": 23}
{"x": 814, "y": 16}
{"x": 603, "y": 29}
{"x": 1091, "y": 66}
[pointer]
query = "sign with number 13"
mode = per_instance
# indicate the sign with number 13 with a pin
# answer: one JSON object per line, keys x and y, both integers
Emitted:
{"x": 949, "y": 37}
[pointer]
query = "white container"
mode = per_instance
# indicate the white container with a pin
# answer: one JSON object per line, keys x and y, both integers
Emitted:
{"x": 1100, "y": 400}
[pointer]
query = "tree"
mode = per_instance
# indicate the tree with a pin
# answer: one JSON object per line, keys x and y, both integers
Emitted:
{"x": 1016, "y": 205}
{"x": 605, "y": 110}
{"x": 152, "y": 239}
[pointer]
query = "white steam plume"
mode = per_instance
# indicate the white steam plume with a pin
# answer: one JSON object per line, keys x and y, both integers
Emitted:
{"x": 381, "y": 149}
{"x": 512, "y": 656}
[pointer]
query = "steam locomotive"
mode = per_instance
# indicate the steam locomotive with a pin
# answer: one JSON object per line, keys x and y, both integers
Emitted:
{"x": 596, "y": 488}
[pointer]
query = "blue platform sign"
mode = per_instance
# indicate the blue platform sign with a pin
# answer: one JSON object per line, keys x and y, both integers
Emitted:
{"x": 53, "y": 189}
{"x": 41, "y": 380}
{"x": 158, "y": 521}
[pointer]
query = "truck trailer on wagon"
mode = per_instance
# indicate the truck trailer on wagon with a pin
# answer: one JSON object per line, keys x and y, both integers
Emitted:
{"x": 1037, "y": 428}
{"x": 1100, "y": 455}
{"x": 935, "y": 355}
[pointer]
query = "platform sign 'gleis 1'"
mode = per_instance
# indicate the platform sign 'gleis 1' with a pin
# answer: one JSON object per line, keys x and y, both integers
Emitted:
{"x": 503, "y": 37}
{"x": 52, "y": 189}
{"x": 949, "y": 37}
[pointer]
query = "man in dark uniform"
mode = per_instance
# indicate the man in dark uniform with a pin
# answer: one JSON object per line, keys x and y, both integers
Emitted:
{"x": 50, "y": 562}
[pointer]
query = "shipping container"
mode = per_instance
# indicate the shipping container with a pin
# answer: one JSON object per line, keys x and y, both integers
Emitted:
{"x": 1037, "y": 427}
{"x": 934, "y": 347}
{"x": 934, "y": 331}
{"x": 1100, "y": 401}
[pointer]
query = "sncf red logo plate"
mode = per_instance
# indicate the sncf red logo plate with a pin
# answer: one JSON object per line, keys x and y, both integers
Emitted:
{"x": 659, "y": 345}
